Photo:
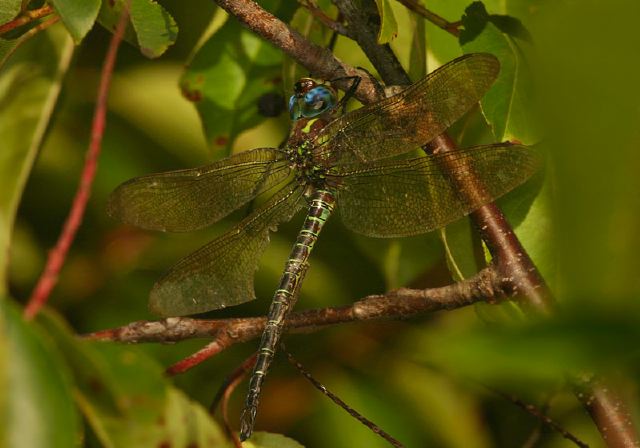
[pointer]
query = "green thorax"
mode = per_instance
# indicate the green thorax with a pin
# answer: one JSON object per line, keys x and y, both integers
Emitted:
{"x": 300, "y": 146}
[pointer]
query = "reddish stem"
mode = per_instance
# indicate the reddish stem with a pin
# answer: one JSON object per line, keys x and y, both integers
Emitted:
{"x": 209, "y": 350}
{"x": 58, "y": 254}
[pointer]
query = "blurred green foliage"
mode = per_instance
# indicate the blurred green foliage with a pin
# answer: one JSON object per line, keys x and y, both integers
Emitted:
{"x": 423, "y": 380}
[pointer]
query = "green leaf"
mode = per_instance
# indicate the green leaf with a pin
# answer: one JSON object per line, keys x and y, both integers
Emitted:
{"x": 228, "y": 75}
{"x": 401, "y": 260}
{"x": 6, "y": 47}
{"x": 155, "y": 28}
{"x": 9, "y": 9}
{"x": 461, "y": 248}
{"x": 509, "y": 106}
{"x": 126, "y": 398}
{"x": 36, "y": 401}
{"x": 531, "y": 215}
{"x": 29, "y": 88}
{"x": 418, "y": 54}
{"x": 78, "y": 16}
{"x": 268, "y": 440}
{"x": 388, "y": 25}
{"x": 151, "y": 27}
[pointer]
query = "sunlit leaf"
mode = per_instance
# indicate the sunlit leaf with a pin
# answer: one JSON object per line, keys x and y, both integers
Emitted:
{"x": 418, "y": 54}
{"x": 78, "y": 16}
{"x": 9, "y": 9}
{"x": 155, "y": 28}
{"x": 36, "y": 400}
{"x": 29, "y": 88}
{"x": 151, "y": 27}
{"x": 388, "y": 26}
{"x": 269, "y": 440}
{"x": 228, "y": 75}
{"x": 509, "y": 106}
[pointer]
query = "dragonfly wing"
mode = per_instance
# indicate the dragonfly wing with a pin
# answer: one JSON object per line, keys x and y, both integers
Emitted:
{"x": 185, "y": 200}
{"x": 220, "y": 274}
{"x": 413, "y": 196}
{"x": 411, "y": 118}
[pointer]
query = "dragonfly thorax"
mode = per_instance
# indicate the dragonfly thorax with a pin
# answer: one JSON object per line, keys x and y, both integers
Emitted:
{"x": 307, "y": 171}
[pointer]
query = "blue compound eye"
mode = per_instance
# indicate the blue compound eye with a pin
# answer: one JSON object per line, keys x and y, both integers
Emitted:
{"x": 318, "y": 100}
{"x": 314, "y": 102}
{"x": 294, "y": 108}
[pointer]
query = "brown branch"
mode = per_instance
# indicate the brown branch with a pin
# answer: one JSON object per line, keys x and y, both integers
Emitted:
{"x": 58, "y": 254}
{"x": 25, "y": 18}
{"x": 452, "y": 28}
{"x": 485, "y": 286}
{"x": 359, "y": 21}
{"x": 610, "y": 413}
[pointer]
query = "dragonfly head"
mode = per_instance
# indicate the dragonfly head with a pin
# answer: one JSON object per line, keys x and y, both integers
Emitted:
{"x": 311, "y": 99}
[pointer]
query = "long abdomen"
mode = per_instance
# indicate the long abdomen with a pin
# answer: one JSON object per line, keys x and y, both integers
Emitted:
{"x": 284, "y": 299}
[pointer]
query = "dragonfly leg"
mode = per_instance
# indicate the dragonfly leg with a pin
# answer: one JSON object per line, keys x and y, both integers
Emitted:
{"x": 355, "y": 82}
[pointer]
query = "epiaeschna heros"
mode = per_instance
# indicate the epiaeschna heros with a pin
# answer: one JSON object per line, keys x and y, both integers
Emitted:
{"x": 352, "y": 161}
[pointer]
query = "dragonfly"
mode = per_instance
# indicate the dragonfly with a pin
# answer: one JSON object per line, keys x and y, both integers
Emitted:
{"x": 361, "y": 163}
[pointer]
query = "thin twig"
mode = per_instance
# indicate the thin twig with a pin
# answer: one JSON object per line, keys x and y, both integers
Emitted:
{"x": 327, "y": 21}
{"x": 452, "y": 28}
{"x": 333, "y": 397}
{"x": 27, "y": 36}
{"x": 25, "y": 18}
{"x": 224, "y": 393}
{"x": 58, "y": 254}
{"x": 542, "y": 416}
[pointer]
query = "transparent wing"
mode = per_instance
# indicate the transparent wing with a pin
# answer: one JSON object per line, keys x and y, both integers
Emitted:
{"x": 409, "y": 197}
{"x": 184, "y": 200}
{"x": 411, "y": 118}
{"x": 220, "y": 274}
